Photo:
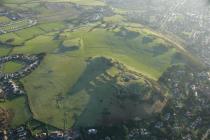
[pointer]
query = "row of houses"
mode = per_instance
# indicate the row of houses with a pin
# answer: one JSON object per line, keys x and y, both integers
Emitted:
{"x": 15, "y": 25}
{"x": 10, "y": 89}
{"x": 19, "y": 133}
{"x": 8, "y": 81}
{"x": 10, "y": 15}
{"x": 185, "y": 113}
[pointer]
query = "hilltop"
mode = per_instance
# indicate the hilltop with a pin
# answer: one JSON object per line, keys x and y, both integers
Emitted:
{"x": 99, "y": 68}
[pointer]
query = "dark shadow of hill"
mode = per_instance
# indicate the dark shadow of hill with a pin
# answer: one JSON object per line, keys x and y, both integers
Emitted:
{"x": 104, "y": 103}
{"x": 105, "y": 108}
{"x": 62, "y": 49}
{"x": 93, "y": 81}
{"x": 95, "y": 67}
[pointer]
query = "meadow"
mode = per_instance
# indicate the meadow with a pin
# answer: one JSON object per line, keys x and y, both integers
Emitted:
{"x": 11, "y": 67}
{"x": 62, "y": 71}
{"x": 18, "y": 109}
{"x": 75, "y": 81}
{"x": 4, "y": 19}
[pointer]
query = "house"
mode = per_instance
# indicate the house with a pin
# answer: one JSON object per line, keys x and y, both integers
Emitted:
{"x": 159, "y": 125}
{"x": 41, "y": 136}
{"x": 8, "y": 87}
{"x": 72, "y": 134}
{"x": 56, "y": 135}
{"x": 167, "y": 116}
{"x": 92, "y": 132}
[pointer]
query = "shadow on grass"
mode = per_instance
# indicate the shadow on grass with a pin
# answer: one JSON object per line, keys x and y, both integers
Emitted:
{"x": 95, "y": 67}
{"x": 100, "y": 89}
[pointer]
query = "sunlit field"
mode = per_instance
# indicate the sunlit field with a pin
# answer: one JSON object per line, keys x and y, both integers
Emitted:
{"x": 118, "y": 70}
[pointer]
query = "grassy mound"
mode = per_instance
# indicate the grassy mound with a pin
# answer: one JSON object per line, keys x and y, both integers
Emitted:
{"x": 49, "y": 84}
{"x": 116, "y": 93}
{"x": 75, "y": 83}
{"x": 139, "y": 49}
{"x": 101, "y": 88}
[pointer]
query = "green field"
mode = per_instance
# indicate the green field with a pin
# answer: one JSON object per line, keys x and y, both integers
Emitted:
{"x": 39, "y": 44}
{"x": 4, "y": 51}
{"x": 16, "y": 25}
{"x": 155, "y": 56}
{"x": 4, "y": 19}
{"x": 19, "y": 110}
{"x": 30, "y": 33}
{"x": 67, "y": 80}
{"x": 11, "y": 38}
{"x": 56, "y": 75}
{"x": 79, "y": 96}
{"x": 60, "y": 71}
{"x": 11, "y": 67}
{"x": 92, "y": 73}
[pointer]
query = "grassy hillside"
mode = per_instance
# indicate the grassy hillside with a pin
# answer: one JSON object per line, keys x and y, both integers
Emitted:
{"x": 92, "y": 69}
{"x": 51, "y": 81}
{"x": 84, "y": 92}
{"x": 66, "y": 84}
{"x": 139, "y": 49}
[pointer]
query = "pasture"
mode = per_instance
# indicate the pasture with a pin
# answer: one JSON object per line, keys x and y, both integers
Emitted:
{"x": 18, "y": 109}
{"x": 11, "y": 67}
{"x": 73, "y": 86}
{"x": 77, "y": 80}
